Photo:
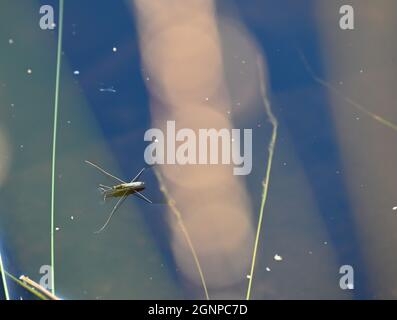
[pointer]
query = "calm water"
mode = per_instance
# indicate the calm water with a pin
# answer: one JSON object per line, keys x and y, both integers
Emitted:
{"x": 332, "y": 198}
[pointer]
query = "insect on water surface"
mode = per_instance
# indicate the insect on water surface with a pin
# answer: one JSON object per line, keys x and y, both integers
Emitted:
{"x": 121, "y": 190}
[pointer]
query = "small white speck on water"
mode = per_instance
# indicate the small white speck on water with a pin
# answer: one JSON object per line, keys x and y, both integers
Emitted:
{"x": 29, "y": 71}
{"x": 243, "y": 61}
{"x": 361, "y": 71}
{"x": 268, "y": 269}
{"x": 57, "y": 228}
{"x": 71, "y": 218}
{"x": 10, "y": 41}
{"x": 21, "y": 146}
{"x": 284, "y": 164}
{"x": 110, "y": 89}
{"x": 76, "y": 72}
{"x": 325, "y": 242}
{"x": 150, "y": 278}
{"x": 248, "y": 276}
{"x": 206, "y": 98}
{"x": 12, "y": 105}
{"x": 278, "y": 257}
{"x": 114, "y": 49}
{"x": 69, "y": 122}
{"x": 147, "y": 78}
{"x": 310, "y": 252}
{"x": 395, "y": 208}
{"x": 357, "y": 118}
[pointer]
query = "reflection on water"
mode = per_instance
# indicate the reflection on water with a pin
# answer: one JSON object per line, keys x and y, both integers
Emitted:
{"x": 136, "y": 64}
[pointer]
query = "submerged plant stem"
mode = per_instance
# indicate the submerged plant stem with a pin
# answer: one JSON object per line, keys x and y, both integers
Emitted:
{"x": 54, "y": 142}
{"x": 22, "y": 284}
{"x": 266, "y": 180}
{"x": 3, "y": 278}
{"x": 353, "y": 103}
{"x": 178, "y": 216}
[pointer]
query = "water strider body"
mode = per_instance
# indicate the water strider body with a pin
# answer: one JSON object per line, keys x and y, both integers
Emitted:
{"x": 122, "y": 190}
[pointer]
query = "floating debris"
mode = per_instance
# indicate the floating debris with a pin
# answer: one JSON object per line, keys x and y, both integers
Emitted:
{"x": 395, "y": 208}
{"x": 268, "y": 269}
{"x": 111, "y": 89}
{"x": 71, "y": 218}
{"x": 57, "y": 228}
{"x": 114, "y": 49}
{"x": 278, "y": 258}
{"x": 29, "y": 71}
{"x": 76, "y": 72}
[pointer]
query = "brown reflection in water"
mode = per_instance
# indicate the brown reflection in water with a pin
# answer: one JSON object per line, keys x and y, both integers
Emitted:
{"x": 361, "y": 62}
{"x": 183, "y": 64}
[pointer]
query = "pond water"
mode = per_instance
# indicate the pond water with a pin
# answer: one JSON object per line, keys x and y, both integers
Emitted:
{"x": 327, "y": 225}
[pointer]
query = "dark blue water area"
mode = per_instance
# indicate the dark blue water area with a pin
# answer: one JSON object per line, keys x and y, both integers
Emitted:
{"x": 88, "y": 42}
{"x": 281, "y": 28}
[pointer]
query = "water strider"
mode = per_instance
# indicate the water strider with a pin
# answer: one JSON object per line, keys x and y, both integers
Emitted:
{"x": 122, "y": 191}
